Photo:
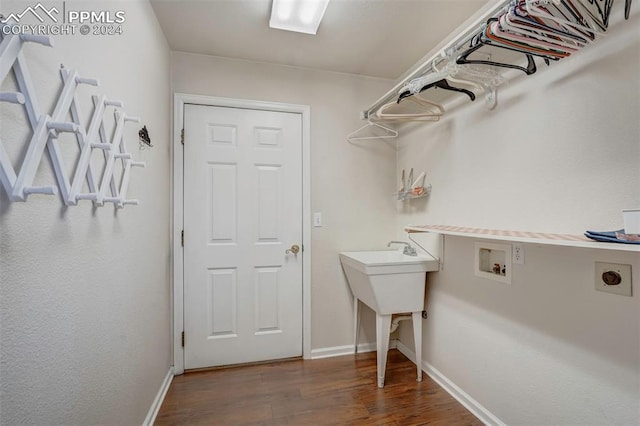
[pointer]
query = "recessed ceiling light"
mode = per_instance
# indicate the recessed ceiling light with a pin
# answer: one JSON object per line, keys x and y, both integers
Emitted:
{"x": 302, "y": 16}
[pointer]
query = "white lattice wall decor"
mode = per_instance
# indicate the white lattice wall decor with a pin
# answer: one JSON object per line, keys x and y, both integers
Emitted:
{"x": 46, "y": 128}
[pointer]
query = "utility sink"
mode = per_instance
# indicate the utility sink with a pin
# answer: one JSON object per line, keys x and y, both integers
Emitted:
{"x": 389, "y": 282}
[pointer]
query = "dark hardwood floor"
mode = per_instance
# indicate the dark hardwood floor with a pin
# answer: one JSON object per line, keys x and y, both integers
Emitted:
{"x": 340, "y": 390}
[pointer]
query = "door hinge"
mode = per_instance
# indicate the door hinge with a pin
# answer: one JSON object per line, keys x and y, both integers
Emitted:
{"x": 182, "y": 238}
{"x": 182, "y": 136}
{"x": 183, "y": 339}
{"x": 303, "y": 248}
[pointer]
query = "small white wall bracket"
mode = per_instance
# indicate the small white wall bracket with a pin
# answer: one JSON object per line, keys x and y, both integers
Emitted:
{"x": 46, "y": 129}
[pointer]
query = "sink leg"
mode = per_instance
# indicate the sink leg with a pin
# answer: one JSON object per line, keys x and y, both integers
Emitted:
{"x": 383, "y": 326}
{"x": 356, "y": 323}
{"x": 417, "y": 340}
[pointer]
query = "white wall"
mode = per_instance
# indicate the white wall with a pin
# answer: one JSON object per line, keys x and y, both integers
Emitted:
{"x": 84, "y": 292}
{"x": 352, "y": 185}
{"x": 561, "y": 153}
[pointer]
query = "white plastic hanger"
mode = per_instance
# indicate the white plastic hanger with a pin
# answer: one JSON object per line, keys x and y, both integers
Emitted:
{"x": 418, "y": 83}
{"x": 391, "y": 133}
{"x": 486, "y": 84}
{"x": 426, "y": 110}
{"x": 452, "y": 69}
{"x": 571, "y": 26}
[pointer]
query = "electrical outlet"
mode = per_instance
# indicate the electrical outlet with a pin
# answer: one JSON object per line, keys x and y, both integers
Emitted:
{"x": 613, "y": 278}
{"x": 517, "y": 254}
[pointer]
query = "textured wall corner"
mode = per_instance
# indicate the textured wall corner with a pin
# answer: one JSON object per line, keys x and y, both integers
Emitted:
{"x": 84, "y": 292}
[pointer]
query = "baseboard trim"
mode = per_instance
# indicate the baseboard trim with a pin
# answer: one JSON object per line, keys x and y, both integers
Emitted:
{"x": 331, "y": 352}
{"x": 347, "y": 350}
{"x": 157, "y": 402}
{"x": 477, "y": 409}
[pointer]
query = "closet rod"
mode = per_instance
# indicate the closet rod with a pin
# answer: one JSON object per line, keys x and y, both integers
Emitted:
{"x": 455, "y": 40}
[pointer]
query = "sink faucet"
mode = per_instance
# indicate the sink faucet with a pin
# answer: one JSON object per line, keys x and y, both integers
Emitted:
{"x": 408, "y": 250}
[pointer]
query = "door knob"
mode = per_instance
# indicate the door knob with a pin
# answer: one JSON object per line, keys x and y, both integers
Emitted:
{"x": 294, "y": 249}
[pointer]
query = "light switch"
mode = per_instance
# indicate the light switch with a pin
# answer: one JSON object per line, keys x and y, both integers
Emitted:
{"x": 317, "y": 219}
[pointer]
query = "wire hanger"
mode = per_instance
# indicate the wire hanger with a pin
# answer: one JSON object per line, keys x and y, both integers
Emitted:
{"x": 391, "y": 133}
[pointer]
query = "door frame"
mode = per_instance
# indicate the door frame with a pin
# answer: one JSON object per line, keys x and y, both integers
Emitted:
{"x": 177, "y": 219}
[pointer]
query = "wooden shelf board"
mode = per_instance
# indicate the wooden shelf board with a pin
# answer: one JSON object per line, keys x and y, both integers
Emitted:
{"x": 566, "y": 240}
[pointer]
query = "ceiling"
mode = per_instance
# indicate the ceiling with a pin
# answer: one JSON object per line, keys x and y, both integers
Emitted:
{"x": 379, "y": 38}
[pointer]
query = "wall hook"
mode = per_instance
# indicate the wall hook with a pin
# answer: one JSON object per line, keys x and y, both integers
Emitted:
{"x": 145, "y": 139}
{"x": 46, "y": 129}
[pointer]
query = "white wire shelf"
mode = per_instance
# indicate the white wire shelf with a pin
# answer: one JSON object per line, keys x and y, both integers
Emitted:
{"x": 566, "y": 240}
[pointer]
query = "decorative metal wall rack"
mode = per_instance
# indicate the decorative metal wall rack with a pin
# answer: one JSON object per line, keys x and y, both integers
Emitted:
{"x": 46, "y": 129}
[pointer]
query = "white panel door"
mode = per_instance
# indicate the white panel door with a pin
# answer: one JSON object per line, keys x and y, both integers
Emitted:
{"x": 242, "y": 211}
